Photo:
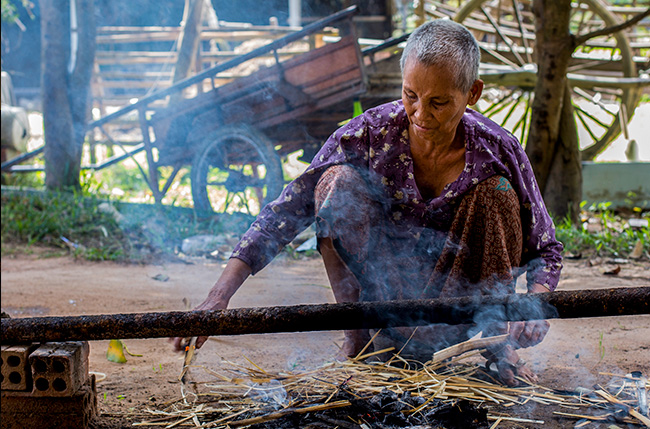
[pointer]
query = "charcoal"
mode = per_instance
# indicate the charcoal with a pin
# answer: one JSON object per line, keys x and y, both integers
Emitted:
{"x": 618, "y": 413}
{"x": 386, "y": 411}
{"x": 460, "y": 414}
{"x": 385, "y": 400}
{"x": 396, "y": 419}
{"x": 415, "y": 401}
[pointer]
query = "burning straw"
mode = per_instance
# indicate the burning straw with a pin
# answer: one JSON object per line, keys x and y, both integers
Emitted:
{"x": 361, "y": 393}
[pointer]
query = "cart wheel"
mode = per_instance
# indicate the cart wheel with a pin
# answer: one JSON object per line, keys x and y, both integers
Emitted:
{"x": 236, "y": 170}
{"x": 505, "y": 30}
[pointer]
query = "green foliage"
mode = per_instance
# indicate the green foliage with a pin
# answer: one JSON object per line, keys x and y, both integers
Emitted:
{"x": 52, "y": 219}
{"x": 25, "y": 180}
{"x": 10, "y": 12}
{"x": 602, "y": 233}
{"x": 127, "y": 179}
{"x": 98, "y": 230}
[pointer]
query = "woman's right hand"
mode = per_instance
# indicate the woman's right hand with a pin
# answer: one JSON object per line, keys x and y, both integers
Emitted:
{"x": 210, "y": 303}
{"x": 231, "y": 279}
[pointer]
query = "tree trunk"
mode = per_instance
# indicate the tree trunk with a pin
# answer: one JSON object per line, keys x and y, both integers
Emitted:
{"x": 62, "y": 155}
{"x": 79, "y": 89}
{"x": 563, "y": 191}
{"x": 65, "y": 93}
{"x": 545, "y": 147}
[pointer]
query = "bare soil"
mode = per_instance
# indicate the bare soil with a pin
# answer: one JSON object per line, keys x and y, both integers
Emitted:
{"x": 574, "y": 354}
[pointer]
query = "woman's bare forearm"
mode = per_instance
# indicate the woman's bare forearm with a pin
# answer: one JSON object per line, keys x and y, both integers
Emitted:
{"x": 232, "y": 277}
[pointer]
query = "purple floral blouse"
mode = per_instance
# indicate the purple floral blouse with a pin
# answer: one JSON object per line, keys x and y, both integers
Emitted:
{"x": 378, "y": 141}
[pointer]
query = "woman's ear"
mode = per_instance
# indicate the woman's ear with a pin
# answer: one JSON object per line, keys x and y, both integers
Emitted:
{"x": 475, "y": 92}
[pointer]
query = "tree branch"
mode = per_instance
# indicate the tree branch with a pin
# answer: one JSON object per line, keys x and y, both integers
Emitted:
{"x": 579, "y": 40}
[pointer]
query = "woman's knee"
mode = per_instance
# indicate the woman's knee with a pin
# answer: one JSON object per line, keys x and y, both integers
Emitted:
{"x": 497, "y": 192}
{"x": 344, "y": 211}
{"x": 339, "y": 178}
{"x": 343, "y": 191}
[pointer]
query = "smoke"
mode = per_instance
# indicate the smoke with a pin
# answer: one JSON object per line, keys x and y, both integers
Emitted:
{"x": 138, "y": 12}
{"x": 271, "y": 393}
{"x": 253, "y": 11}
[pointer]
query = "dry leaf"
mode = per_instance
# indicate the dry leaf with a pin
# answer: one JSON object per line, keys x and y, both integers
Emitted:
{"x": 637, "y": 252}
{"x": 596, "y": 261}
{"x": 613, "y": 272}
{"x": 115, "y": 352}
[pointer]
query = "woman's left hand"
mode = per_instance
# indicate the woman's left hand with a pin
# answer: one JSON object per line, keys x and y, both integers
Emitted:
{"x": 531, "y": 332}
{"x": 528, "y": 334}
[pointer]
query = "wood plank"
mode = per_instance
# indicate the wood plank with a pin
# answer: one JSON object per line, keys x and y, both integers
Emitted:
{"x": 136, "y": 61}
{"x": 133, "y": 74}
{"x": 320, "y": 52}
{"x": 322, "y": 69}
{"x": 133, "y": 54}
{"x": 136, "y": 37}
{"x": 351, "y": 73}
{"x": 224, "y": 55}
{"x": 347, "y": 94}
{"x": 135, "y": 84}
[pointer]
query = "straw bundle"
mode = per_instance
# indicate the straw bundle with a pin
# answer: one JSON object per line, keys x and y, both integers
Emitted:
{"x": 246, "y": 395}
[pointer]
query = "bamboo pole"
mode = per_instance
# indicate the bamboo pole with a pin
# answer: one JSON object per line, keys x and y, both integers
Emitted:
{"x": 324, "y": 317}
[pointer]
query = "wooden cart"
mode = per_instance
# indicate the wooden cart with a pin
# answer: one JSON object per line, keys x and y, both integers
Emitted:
{"x": 233, "y": 133}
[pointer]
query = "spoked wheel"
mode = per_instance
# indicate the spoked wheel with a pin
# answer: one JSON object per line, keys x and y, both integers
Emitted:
{"x": 506, "y": 33}
{"x": 236, "y": 170}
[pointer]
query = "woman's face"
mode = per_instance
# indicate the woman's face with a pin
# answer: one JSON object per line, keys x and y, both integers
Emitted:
{"x": 433, "y": 103}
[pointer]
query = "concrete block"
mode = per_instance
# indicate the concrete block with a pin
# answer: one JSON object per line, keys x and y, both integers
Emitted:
{"x": 59, "y": 369}
{"x": 624, "y": 184}
{"x": 16, "y": 370}
{"x": 24, "y": 410}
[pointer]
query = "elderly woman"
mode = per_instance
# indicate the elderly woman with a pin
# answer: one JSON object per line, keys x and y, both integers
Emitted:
{"x": 418, "y": 198}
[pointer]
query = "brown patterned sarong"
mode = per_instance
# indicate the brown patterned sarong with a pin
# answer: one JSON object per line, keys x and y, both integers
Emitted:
{"x": 479, "y": 254}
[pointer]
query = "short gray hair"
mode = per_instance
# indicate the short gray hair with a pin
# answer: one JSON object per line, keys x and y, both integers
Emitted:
{"x": 445, "y": 42}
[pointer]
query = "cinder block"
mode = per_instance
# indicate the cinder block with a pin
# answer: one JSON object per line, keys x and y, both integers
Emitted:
{"x": 23, "y": 410}
{"x": 59, "y": 369}
{"x": 16, "y": 370}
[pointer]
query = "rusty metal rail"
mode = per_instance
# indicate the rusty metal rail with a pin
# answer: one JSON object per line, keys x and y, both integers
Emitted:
{"x": 324, "y": 317}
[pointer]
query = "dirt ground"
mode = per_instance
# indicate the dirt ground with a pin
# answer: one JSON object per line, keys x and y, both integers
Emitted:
{"x": 575, "y": 352}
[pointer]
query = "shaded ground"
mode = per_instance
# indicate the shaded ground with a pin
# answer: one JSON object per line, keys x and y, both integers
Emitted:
{"x": 574, "y": 353}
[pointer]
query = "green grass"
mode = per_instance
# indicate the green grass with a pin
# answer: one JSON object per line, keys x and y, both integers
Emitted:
{"x": 77, "y": 224}
{"x": 603, "y": 233}
{"x": 148, "y": 232}
{"x": 53, "y": 218}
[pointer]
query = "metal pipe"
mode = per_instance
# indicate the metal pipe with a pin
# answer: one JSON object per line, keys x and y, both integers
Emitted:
{"x": 20, "y": 158}
{"x": 325, "y": 317}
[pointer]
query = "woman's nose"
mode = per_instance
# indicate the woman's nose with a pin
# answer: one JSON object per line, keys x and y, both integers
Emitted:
{"x": 419, "y": 112}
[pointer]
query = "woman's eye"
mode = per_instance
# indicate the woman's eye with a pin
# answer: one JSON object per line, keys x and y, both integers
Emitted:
{"x": 411, "y": 96}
